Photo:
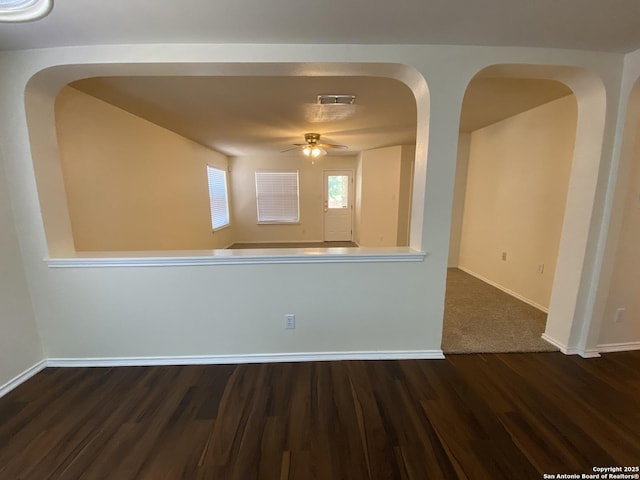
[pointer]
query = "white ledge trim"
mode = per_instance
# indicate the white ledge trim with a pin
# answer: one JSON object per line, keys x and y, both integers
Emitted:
{"x": 239, "y": 257}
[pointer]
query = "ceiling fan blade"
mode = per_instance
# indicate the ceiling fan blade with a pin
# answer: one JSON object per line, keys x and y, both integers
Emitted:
{"x": 291, "y": 149}
{"x": 331, "y": 145}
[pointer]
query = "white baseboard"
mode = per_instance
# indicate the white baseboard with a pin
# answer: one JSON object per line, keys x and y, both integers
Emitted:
{"x": 23, "y": 377}
{"x": 563, "y": 348}
{"x": 219, "y": 360}
{"x": 589, "y": 353}
{"x": 250, "y": 358}
{"x": 571, "y": 351}
{"x": 504, "y": 289}
{"x": 618, "y": 347}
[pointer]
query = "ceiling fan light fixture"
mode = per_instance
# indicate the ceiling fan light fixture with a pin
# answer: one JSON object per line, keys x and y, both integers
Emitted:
{"x": 24, "y": 10}
{"x": 313, "y": 151}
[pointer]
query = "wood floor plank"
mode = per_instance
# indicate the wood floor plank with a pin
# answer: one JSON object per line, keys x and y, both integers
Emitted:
{"x": 493, "y": 416}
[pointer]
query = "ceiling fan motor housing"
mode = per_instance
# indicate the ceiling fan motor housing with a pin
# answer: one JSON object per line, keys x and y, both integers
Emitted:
{"x": 312, "y": 138}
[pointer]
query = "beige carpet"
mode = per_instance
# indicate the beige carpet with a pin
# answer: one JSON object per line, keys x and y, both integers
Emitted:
{"x": 479, "y": 318}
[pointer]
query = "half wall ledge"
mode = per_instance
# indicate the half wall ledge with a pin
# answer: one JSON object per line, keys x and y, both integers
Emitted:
{"x": 238, "y": 257}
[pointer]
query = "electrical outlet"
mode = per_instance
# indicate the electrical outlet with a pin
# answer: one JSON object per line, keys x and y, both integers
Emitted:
{"x": 504, "y": 256}
{"x": 619, "y": 317}
{"x": 289, "y": 321}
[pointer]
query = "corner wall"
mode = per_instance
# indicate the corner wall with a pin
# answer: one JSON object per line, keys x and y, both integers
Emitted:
{"x": 132, "y": 185}
{"x": 459, "y": 191}
{"x": 20, "y": 346}
{"x": 622, "y": 331}
{"x": 378, "y": 208}
{"x": 517, "y": 183}
{"x": 408, "y": 157}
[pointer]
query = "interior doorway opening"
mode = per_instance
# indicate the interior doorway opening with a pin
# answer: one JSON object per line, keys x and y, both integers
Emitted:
{"x": 515, "y": 155}
{"x": 338, "y": 205}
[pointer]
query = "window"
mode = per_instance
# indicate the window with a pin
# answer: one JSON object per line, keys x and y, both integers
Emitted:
{"x": 277, "y": 197}
{"x": 218, "y": 197}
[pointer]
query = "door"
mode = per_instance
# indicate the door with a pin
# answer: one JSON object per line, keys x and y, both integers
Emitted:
{"x": 338, "y": 205}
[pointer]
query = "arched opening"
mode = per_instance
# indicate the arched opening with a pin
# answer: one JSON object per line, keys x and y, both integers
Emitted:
{"x": 521, "y": 171}
{"x": 64, "y": 234}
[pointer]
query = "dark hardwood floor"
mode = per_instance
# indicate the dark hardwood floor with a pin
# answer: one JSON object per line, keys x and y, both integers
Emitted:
{"x": 491, "y": 416}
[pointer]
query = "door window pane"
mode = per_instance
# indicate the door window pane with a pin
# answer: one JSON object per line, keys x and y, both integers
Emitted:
{"x": 338, "y": 194}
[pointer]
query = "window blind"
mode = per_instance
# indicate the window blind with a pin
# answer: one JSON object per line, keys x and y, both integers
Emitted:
{"x": 277, "y": 196}
{"x": 218, "y": 197}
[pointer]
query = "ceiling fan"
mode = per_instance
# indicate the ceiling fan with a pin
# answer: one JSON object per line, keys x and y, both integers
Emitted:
{"x": 312, "y": 148}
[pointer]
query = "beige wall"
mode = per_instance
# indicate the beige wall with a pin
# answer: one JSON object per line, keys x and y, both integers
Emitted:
{"x": 379, "y": 196}
{"x": 20, "y": 346}
{"x": 235, "y": 309}
{"x": 310, "y": 184}
{"x": 407, "y": 160}
{"x": 460, "y": 188}
{"x": 517, "y": 184}
{"x": 357, "y": 207}
{"x": 625, "y": 281}
{"x": 132, "y": 185}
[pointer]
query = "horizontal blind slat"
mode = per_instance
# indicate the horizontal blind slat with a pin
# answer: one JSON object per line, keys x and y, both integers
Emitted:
{"x": 277, "y": 196}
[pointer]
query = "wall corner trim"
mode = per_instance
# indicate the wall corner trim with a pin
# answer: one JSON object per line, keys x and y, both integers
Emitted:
{"x": 584, "y": 353}
{"x": 22, "y": 377}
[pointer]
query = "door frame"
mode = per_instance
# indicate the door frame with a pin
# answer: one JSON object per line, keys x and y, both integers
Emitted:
{"x": 352, "y": 196}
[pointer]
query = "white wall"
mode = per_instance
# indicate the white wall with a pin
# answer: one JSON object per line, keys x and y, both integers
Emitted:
{"x": 130, "y": 184}
{"x": 408, "y": 156}
{"x": 310, "y": 185}
{"x": 517, "y": 180}
{"x": 625, "y": 281}
{"x": 357, "y": 207}
{"x": 216, "y": 309}
{"x": 460, "y": 188}
{"x": 20, "y": 346}
{"x": 379, "y": 197}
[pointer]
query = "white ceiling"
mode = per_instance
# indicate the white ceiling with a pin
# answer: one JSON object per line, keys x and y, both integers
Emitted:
{"x": 265, "y": 115}
{"x": 598, "y": 25}
{"x": 241, "y": 116}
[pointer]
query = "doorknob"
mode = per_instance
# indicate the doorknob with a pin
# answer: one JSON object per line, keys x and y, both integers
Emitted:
{"x": 326, "y": 209}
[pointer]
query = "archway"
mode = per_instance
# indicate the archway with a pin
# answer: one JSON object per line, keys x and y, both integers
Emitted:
{"x": 575, "y": 219}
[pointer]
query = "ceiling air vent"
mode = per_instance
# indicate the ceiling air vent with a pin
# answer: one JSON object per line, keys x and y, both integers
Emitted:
{"x": 336, "y": 99}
